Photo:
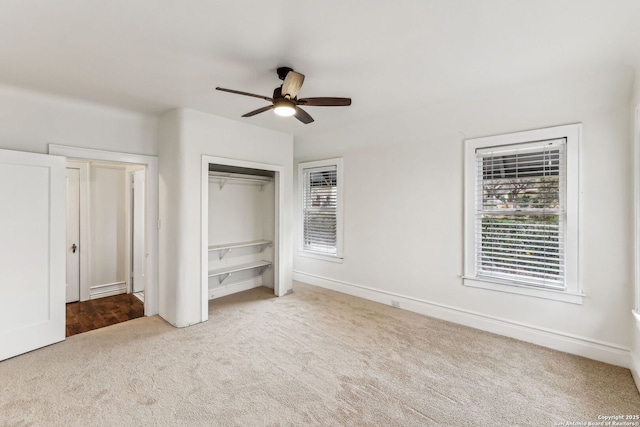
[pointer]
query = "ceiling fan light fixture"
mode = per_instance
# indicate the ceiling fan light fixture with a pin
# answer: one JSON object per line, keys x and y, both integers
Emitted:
{"x": 284, "y": 108}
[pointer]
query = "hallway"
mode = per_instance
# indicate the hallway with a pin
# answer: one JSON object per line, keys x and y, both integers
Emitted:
{"x": 97, "y": 313}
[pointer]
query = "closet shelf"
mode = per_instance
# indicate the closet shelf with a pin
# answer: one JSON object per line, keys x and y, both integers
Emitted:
{"x": 224, "y": 177}
{"x": 225, "y": 248}
{"x": 223, "y": 273}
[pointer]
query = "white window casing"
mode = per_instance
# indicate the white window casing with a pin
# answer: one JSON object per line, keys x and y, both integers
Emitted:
{"x": 636, "y": 178}
{"x": 521, "y": 213}
{"x": 321, "y": 197}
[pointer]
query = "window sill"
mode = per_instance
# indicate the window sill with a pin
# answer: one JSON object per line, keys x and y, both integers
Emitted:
{"x": 563, "y": 296}
{"x": 321, "y": 256}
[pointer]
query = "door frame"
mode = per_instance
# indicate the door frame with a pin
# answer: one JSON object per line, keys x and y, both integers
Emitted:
{"x": 278, "y": 248}
{"x": 151, "y": 306}
{"x": 73, "y": 227}
{"x": 130, "y": 171}
{"x": 84, "y": 224}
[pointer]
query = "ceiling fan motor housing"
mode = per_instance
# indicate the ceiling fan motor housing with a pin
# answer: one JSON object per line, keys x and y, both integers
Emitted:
{"x": 283, "y": 71}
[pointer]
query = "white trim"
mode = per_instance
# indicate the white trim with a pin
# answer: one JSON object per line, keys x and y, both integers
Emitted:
{"x": 573, "y": 135}
{"x": 635, "y": 353}
{"x": 339, "y": 164}
{"x": 557, "y": 340}
{"x": 552, "y": 294}
{"x": 108, "y": 289}
{"x": 319, "y": 255}
{"x": 636, "y": 181}
{"x": 151, "y": 306}
{"x": 128, "y": 218}
{"x": 279, "y": 242}
{"x": 83, "y": 166}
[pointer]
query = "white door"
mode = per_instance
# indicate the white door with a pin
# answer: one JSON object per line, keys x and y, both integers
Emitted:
{"x": 32, "y": 261}
{"x": 138, "y": 249}
{"x": 73, "y": 235}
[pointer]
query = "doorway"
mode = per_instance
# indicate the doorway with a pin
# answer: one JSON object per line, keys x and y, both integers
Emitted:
{"x": 150, "y": 214}
{"x": 106, "y": 243}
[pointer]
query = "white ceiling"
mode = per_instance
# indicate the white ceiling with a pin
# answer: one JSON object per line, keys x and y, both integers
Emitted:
{"x": 153, "y": 55}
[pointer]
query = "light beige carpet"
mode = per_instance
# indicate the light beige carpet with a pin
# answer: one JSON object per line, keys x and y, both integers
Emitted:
{"x": 314, "y": 357}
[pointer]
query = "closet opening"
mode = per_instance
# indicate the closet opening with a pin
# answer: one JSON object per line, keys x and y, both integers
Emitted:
{"x": 242, "y": 205}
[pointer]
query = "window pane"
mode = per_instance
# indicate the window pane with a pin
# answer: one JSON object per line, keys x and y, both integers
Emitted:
{"x": 320, "y": 210}
{"x": 521, "y": 181}
{"x": 520, "y": 214}
{"x": 526, "y": 247}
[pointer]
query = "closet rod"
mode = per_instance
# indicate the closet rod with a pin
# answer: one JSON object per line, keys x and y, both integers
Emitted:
{"x": 224, "y": 177}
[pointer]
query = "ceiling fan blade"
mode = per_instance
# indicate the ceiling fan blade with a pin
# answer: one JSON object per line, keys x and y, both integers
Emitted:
{"x": 266, "y": 98}
{"x": 292, "y": 84}
{"x": 258, "y": 111}
{"x": 325, "y": 102}
{"x": 303, "y": 116}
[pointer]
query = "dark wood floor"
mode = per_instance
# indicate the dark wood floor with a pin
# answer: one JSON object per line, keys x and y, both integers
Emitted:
{"x": 97, "y": 313}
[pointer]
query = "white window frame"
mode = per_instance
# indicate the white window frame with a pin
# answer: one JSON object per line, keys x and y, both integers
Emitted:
{"x": 636, "y": 308}
{"x": 572, "y": 290}
{"x": 302, "y": 251}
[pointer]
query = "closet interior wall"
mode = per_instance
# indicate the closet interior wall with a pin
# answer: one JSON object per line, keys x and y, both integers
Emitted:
{"x": 241, "y": 230}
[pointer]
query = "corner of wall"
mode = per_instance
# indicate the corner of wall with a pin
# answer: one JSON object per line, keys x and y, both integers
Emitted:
{"x": 169, "y": 183}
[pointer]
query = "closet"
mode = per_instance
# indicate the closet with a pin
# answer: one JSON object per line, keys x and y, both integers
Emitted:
{"x": 241, "y": 229}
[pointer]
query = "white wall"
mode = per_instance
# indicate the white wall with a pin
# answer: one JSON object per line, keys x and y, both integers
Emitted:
{"x": 403, "y": 178}
{"x": 235, "y": 212}
{"x": 107, "y": 230}
{"x": 29, "y": 121}
{"x": 184, "y": 136}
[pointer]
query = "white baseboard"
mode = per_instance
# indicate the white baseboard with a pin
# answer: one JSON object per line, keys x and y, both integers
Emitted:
{"x": 580, "y": 346}
{"x": 140, "y": 296}
{"x": 107, "y": 290}
{"x": 232, "y": 288}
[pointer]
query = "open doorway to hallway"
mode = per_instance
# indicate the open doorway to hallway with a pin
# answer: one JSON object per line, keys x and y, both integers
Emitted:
{"x": 106, "y": 243}
{"x": 152, "y": 223}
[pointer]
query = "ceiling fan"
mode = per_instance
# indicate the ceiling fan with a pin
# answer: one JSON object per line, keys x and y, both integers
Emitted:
{"x": 285, "y": 102}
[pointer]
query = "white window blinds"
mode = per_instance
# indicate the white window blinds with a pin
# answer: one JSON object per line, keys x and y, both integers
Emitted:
{"x": 320, "y": 209}
{"x": 520, "y": 213}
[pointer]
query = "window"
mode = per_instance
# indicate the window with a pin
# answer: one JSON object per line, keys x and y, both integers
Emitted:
{"x": 321, "y": 184}
{"x": 521, "y": 194}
